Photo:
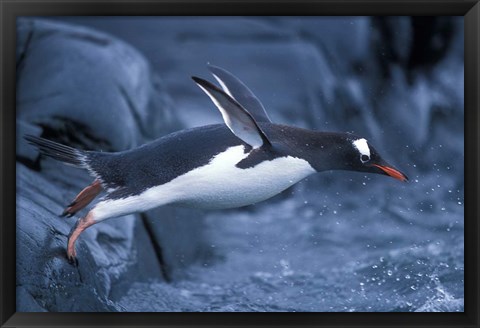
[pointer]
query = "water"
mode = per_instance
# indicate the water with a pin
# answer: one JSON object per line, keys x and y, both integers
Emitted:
{"x": 325, "y": 251}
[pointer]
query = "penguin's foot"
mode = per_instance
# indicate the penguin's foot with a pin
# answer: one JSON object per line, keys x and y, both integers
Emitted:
{"x": 77, "y": 229}
{"x": 72, "y": 259}
{"x": 83, "y": 199}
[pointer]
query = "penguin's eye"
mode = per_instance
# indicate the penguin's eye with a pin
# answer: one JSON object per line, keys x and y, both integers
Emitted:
{"x": 364, "y": 158}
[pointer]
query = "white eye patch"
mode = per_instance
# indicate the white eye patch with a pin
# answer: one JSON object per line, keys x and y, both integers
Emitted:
{"x": 362, "y": 146}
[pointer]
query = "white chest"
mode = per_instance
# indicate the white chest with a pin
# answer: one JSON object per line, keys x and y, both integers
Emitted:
{"x": 220, "y": 184}
{"x": 217, "y": 185}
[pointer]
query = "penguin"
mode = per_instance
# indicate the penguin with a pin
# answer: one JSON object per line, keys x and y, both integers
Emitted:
{"x": 244, "y": 161}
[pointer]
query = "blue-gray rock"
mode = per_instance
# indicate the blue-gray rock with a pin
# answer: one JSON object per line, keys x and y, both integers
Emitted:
{"x": 179, "y": 233}
{"x": 90, "y": 90}
{"x": 79, "y": 82}
{"x": 23, "y": 151}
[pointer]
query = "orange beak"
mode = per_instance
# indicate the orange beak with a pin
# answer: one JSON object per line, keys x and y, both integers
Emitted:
{"x": 394, "y": 173}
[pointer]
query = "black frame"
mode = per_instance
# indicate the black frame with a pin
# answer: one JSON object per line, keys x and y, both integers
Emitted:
{"x": 10, "y": 9}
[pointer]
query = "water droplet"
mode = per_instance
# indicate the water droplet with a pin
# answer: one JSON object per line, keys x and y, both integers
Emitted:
{"x": 389, "y": 272}
{"x": 407, "y": 276}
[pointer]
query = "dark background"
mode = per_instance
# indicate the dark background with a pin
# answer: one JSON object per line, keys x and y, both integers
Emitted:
{"x": 338, "y": 241}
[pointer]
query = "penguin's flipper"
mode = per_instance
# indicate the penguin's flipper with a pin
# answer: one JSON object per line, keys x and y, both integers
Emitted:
{"x": 240, "y": 92}
{"x": 237, "y": 118}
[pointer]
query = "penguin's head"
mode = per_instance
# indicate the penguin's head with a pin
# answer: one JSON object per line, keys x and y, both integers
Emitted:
{"x": 364, "y": 158}
{"x": 341, "y": 151}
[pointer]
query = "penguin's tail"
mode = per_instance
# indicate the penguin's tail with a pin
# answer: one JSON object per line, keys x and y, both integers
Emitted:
{"x": 68, "y": 155}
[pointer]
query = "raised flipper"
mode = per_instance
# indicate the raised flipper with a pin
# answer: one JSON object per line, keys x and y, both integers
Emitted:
{"x": 237, "y": 118}
{"x": 240, "y": 92}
